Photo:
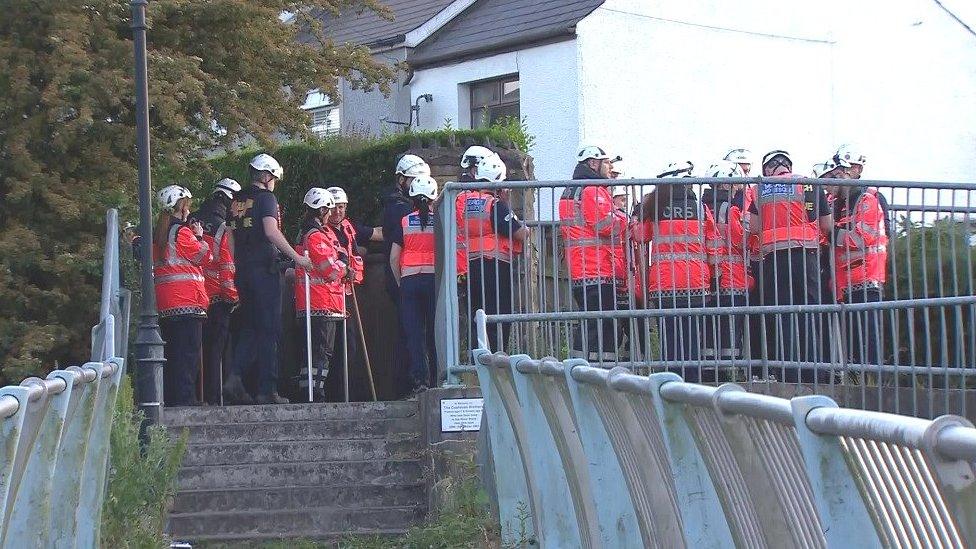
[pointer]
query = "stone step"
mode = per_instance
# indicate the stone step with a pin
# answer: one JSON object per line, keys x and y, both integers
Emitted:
{"x": 327, "y": 429}
{"x": 316, "y": 523}
{"x": 289, "y": 498}
{"x": 214, "y": 415}
{"x": 371, "y": 472}
{"x": 239, "y": 453}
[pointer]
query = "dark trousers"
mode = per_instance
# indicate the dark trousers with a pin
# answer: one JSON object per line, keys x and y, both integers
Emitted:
{"x": 491, "y": 290}
{"x": 417, "y": 305}
{"x": 791, "y": 277}
{"x": 260, "y": 314}
{"x": 864, "y": 329}
{"x": 401, "y": 354}
{"x": 596, "y": 340}
{"x": 323, "y": 345}
{"x": 216, "y": 333}
{"x": 183, "y": 335}
{"x": 680, "y": 336}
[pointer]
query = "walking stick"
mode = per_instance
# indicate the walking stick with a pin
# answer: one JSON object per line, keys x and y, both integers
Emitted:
{"x": 345, "y": 351}
{"x": 362, "y": 340}
{"x": 308, "y": 330}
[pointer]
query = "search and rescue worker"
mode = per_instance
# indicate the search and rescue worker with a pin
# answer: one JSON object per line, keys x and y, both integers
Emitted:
{"x": 412, "y": 263}
{"x": 396, "y": 205}
{"x": 218, "y": 275}
{"x": 326, "y": 288}
{"x": 494, "y": 236}
{"x": 743, "y": 157}
{"x": 789, "y": 219}
{"x": 179, "y": 252}
{"x": 850, "y": 154}
{"x": 353, "y": 236}
{"x": 589, "y": 225}
{"x": 860, "y": 246}
{"x": 728, "y": 253}
{"x": 678, "y": 275}
{"x": 469, "y": 160}
{"x": 257, "y": 243}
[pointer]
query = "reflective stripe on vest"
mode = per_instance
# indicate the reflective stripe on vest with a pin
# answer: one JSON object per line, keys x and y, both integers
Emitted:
{"x": 418, "y": 243}
{"x": 785, "y": 201}
{"x": 474, "y": 211}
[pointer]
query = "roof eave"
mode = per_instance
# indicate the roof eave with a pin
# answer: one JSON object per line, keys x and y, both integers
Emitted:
{"x": 540, "y": 37}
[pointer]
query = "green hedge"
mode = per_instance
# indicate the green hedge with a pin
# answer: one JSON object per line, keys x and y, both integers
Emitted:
{"x": 362, "y": 166}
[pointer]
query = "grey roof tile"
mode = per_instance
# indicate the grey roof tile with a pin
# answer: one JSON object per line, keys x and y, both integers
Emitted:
{"x": 490, "y": 25}
{"x": 367, "y": 28}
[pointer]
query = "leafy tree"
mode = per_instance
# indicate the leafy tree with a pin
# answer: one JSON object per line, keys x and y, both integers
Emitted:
{"x": 221, "y": 71}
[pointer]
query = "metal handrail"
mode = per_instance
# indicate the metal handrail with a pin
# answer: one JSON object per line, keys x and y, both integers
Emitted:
{"x": 572, "y": 183}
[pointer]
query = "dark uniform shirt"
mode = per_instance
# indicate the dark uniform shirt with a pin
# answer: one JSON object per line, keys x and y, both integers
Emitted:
{"x": 251, "y": 244}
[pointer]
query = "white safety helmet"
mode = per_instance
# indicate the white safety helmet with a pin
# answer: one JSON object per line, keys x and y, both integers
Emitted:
{"x": 338, "y": 195}
{"x": 170, "y": 195}
{"x": 411, "y": 165}
{"x": 490, "y": 168}
{"x": 725, "y": 168}
{"x": 266, "y": 163}
{"x": 591, "y": 152}
{"x": 618, "y": 190}
{"x": 739, "y": 156}
{"x": 678, "y": 169}
{"x": 475, "y": 154}
{"x": 773, "y": 154}
{"x": 850, "y": 154}
{"x": 423, "y": 185}
{"x": 317, "y": 197}
{"x": 819, "y": 170}
{"x": 227, "y": 187}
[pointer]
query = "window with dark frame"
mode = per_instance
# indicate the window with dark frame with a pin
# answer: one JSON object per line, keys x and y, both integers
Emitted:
{"x": 493, "y": 100}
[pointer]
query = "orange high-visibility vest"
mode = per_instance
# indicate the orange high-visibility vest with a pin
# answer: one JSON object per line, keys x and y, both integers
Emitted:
{"x": 783, "y": 214}
{"x": 727, "y": 248}
{"x": 677, "y": 261}
{"x": 219, "y": 273}
{"x": 474, "y": 211}
{"x": 355, "y": 260}
{"x": 180, "y": 287}
{"x": 417, "y": 255}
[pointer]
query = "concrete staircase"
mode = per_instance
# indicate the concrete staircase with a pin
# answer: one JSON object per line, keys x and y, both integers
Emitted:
{"x": 299, "y": 471}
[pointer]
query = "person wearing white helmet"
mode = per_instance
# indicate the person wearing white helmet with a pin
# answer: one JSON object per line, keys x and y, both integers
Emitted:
{"x": 219, "y": 281}
{"x": 258, "y": 243}
{"x": 742, "y": 157}
{"x": 179, "y": 253}
{"x": 790, "y": 219}
{"x": 853, "y": 157}
{"x": 326, "y": 289}
{"x": 728, "y": 255}
{"x": 493, "y": 236}
{"x": 412, "y": 263}
{"x": 397, "y": 204}
{"x": 589, "y": 223}
{"x": 351, "y": 234}
{"x": 472, "y": 155}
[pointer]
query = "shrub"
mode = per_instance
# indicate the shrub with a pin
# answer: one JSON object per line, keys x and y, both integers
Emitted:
{"x": 142, "y": 481}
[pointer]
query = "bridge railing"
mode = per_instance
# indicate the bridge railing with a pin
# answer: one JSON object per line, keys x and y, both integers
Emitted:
{"x": 910, "y": 348}
{"x": 598, "y": 457}
{"x": 54, "y": 432}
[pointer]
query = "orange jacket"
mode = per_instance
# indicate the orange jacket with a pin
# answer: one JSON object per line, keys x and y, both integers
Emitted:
{"x": 417, "y": 255}
{"x": 589, "y": 227}
{"x": 783, "y": 214}
{"x": 326, "y": 290}
{"x": 727, "y": 244}
{"x": 860, "y": 245}
{"x": 356, "y": 262}
{"x": 180, "y": 288}
{"x": 677, "y": 261}
{"x": 218, "y": 273}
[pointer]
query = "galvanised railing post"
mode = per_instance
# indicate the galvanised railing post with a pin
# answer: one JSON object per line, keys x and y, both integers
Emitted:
{"x": 72, "y": 457}
{"x": 11, "y": 428}
{"x": 557, "y": 524}
{"x": 515, "y": 486}
{"x": 702, "y": 511}
{"x": 96, "y": 462}
{"x": 956, "y": 478}
{"x": 618, "y": 521}
{"x": 844, "y": 516}
{"x": 447, "y": 318}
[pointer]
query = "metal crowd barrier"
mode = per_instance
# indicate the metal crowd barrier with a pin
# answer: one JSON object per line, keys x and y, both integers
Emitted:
{"x": 594, "y": 457}
{"x": 912, "y": 351}
{"x": 54, "y": 432}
